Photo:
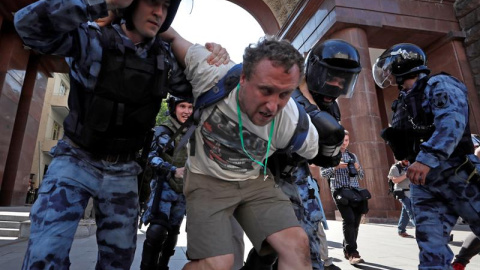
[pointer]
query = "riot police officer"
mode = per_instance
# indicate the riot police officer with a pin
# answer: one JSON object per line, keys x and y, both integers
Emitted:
{"x": 119, "y": 75}
{"x": 166, "y": 205}
{"x": 430, "y": 128}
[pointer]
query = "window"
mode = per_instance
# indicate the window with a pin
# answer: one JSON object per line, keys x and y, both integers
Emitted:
{"x": 56, "y": 131}
{"x": 62, "y": 91}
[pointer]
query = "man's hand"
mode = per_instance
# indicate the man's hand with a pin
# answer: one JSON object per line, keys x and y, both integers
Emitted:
{"x": 219, "y": 55}
{"x": 115, "y": 4}
{"x": 342, "y": 165}
{"x": 179, "y": 172}
{"x": 417, "y": 172}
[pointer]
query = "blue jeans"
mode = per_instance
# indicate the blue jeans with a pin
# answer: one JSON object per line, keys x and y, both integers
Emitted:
{"x": 72, "y": 178}
{"x": 406, "y": 215}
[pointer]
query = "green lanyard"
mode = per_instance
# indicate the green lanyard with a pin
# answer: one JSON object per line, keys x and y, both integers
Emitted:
{"x": 240, "y": 127}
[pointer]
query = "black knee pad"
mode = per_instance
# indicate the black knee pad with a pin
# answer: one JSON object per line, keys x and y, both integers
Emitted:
{"x": 156, "y": 234}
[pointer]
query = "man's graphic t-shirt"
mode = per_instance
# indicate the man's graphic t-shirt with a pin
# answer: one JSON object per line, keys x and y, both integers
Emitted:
{"x": 218, "y": 150}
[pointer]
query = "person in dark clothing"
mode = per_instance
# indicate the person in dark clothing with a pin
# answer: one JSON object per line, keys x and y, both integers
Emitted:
{"x": 166, "y": 205}
{"x": 341, "y": 177}
{"x": 119, "y": 75}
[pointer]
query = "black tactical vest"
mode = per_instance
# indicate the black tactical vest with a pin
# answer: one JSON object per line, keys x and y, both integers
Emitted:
{"x": 117, "y": 115}
{"x": 411, "y": 125}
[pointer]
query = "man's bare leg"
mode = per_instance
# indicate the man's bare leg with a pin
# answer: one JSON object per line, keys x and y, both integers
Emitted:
{"x": 292, "y": 247}
{"x": 222, "y": 262}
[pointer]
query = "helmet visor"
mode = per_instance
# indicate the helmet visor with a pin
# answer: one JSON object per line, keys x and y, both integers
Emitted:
{"x": 333, "y": 81}
{"x": 382, "y": 72}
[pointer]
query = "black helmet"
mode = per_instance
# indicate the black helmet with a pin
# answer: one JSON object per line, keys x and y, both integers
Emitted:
{"x": 398, "y": 63}
{"x": 173, "y": 101}
{"x": 327, "y": 60}
{"x": 127, "y": 14}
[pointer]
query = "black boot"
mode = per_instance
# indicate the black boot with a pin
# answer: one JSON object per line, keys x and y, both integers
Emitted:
{"x": 165, "y": 257}
{"x": 168, "y": 248}
{"x": 257, "y": 262}
{"x": 150, "y": 256}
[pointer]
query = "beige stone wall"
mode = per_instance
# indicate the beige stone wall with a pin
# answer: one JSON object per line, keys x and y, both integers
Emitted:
{"x": 44, "y": 140}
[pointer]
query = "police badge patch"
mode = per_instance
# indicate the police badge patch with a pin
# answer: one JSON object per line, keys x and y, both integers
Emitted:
{"x": 440, "y": 100}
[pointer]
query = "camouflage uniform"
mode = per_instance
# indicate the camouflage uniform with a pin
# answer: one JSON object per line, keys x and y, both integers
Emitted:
{"x": 72, "y": 178}
{"x": 172, "y": 200}
{"x": 66, "y": 28}
{"x": 166, "y": 207}
{"x": 302, "y": 190}
{"x": 447, "y": 193}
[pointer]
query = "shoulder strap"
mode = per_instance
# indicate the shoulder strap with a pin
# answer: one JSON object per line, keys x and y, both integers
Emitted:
{"x": 218, "y": 92}
{"x": 399, "y": 168}
{"x": 352, "y": 156}
{"x": 110, "y": 39}
{"x": 301, "y": 131}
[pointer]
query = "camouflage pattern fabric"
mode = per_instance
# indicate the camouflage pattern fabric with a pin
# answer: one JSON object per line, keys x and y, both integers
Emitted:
{"x": 437, "y": 206}
{"x": 172, "y": 201}
{"x": 172, "y": 204}
{"x": 302, "y": 190}
{"x": 72, "y": 178}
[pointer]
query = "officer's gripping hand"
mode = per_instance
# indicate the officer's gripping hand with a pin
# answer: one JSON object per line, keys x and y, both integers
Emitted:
{"x": 219, "y": 55}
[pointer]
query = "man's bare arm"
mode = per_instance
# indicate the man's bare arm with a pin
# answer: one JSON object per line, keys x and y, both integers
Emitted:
{"x": 180, "y": 47}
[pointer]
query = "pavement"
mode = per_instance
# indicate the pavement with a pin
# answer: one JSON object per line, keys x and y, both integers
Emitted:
{"x": 378, "y": 244}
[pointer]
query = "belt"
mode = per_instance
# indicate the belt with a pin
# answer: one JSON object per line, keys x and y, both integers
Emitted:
{"x": 116, "y": 157}
{"x": 124, "y": 157}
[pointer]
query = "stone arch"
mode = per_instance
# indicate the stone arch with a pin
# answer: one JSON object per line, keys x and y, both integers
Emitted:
{"x": 262, "y": 13}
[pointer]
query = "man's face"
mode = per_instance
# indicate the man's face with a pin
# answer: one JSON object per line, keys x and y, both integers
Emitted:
{"x": 183, "y": 110}
{"x": 267, "y": 91}
{"x": 149, "y": 17}
{"x": 346, "y": 142}
{"x": 336, "y": 81}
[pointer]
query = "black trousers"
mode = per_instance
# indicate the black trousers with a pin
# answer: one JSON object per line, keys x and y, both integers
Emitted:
{"x": 351, "y": 215}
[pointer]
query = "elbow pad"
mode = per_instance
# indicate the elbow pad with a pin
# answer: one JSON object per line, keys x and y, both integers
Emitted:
{"x": 177, "y": 81}
{"x": 330, "y": 139}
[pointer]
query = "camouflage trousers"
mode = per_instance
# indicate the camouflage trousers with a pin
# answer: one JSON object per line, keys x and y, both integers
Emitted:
{"x": 437, "y": 205}
{"x": 302, "y": 190}
{"x": 72, "y": 178}
{"x": 171, "y": 204}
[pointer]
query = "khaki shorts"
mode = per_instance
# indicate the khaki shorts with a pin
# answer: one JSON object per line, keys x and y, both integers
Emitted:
{"x": 260, "y": 207}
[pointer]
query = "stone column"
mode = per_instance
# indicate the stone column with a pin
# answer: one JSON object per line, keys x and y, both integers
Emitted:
{"x": 15, "y": 150}
{"x": 361, "y": 115}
